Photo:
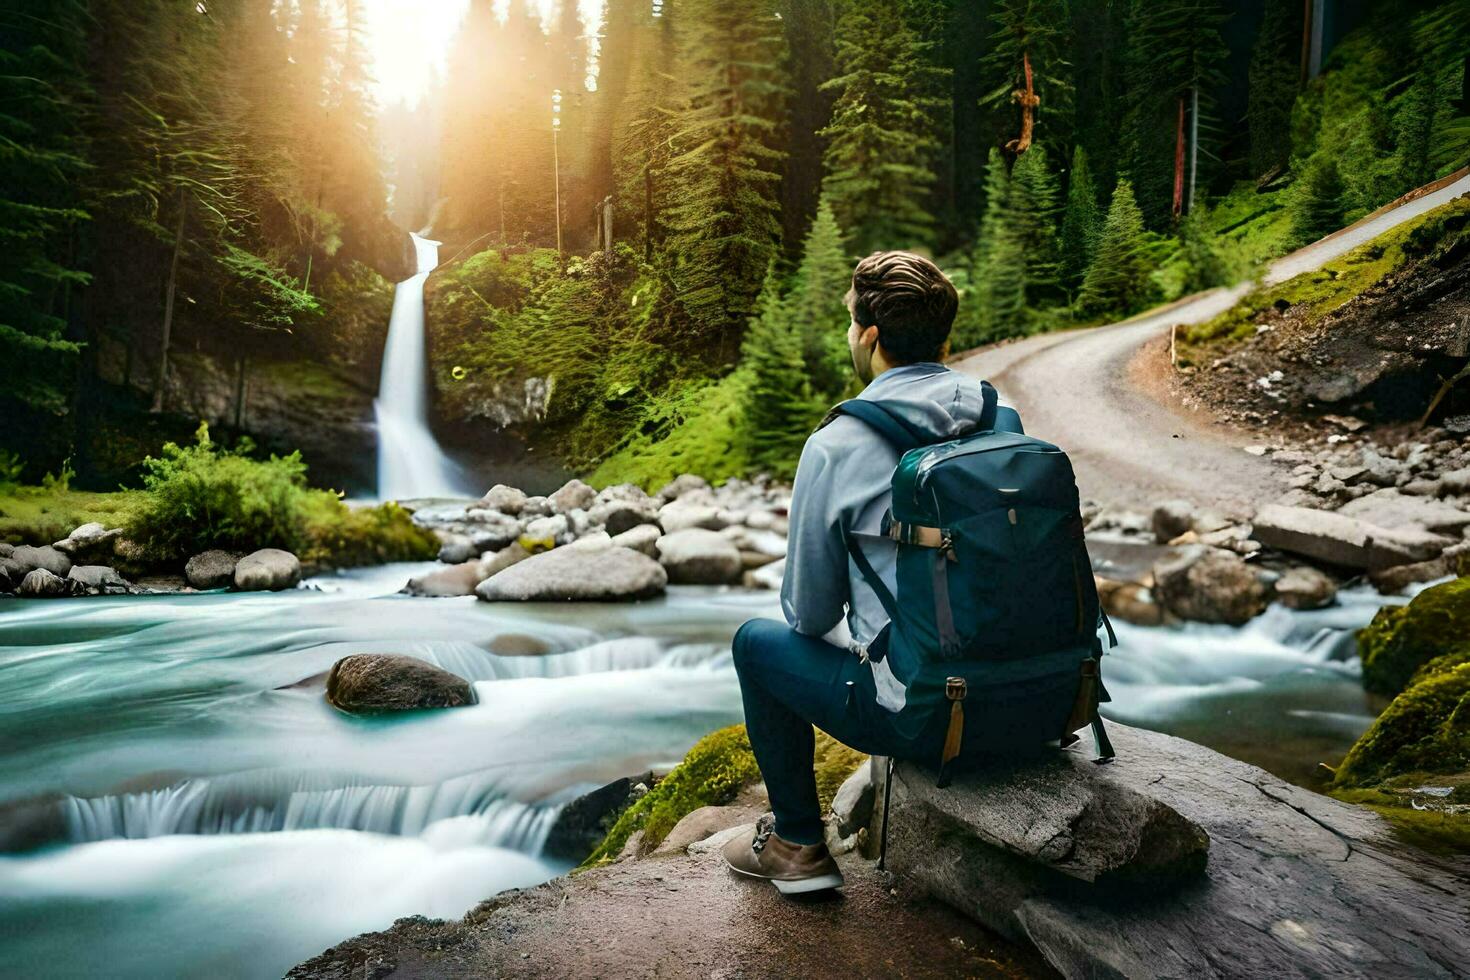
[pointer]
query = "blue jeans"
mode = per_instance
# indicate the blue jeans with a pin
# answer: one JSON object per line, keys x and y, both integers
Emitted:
{"x": 790, "y": 682}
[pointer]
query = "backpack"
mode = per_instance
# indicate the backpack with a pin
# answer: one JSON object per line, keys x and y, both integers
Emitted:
{"x": 996, "y": 603}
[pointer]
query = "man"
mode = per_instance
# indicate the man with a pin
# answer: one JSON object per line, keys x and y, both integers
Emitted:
{"x": 816, "y": 670}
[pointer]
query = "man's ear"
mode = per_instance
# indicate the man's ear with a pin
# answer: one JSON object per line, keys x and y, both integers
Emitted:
{"x": 869, "y": 337}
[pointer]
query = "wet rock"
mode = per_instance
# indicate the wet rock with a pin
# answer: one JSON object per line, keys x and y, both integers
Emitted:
{"x": 536, "y": 507}
{"x": 680, "y": 516}
{"x": 491, "y": 530}
{"x": 1455, "y": 482}
{"x": 40, "y": 583}
{"x": 1132, "y": 602}
{"x": 47, "y": 557}
{"x": 1171, "y": 519}
{"x": 617, "y": 516}
{"x": 456, "y": 550}
{"x": 1340, "y": 540}
{"x": 210, "y": 570}
{"x": 1392, "y": 509}
{"x": 642, "y": 538}
{"x": 1454, "y": 560}
{"x": 695, "y": 556}
{"x": 625, "y": 492}
{"x": 369, "y": 683}
{"x": 502, "y": 559}
{"x": 506, "y": 500}
{"x": 456, "y": 580}
{"x": 6, "y": 549}
{"x": 583, "y": 823}
{"x": 767, "y": 543}
{"x": 97, "y": 580}
{"x": 574, "y": 495}
{"x": 701, "y": 824}
{"x": 1210, "y": 586}
{"x": 568, "y": 575}
{"x": 269, "y": 569}
{"x": 1402, "y": 639}
{"x": 1304, "y": 587}
{"x": 681, "y": 485}
{"x": 765, "y": 577}
{"x": 545, "y": 533}
{"x": 592, "y": 541}
{"x": 852, "y": 805}
{"x": 89, "y": 543}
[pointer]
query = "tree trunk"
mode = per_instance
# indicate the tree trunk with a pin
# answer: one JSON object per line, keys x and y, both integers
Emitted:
{"x": 1179, "y": 162}
{"x": 1193, "y": 146}
{"x": 168, "y": 306}
{"x": 241, "y": 364}
{"x": 648, "y": 213}
{"x": 1029, "y": 101}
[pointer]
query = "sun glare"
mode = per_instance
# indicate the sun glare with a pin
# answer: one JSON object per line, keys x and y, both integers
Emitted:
{"x": 410, "y": 40}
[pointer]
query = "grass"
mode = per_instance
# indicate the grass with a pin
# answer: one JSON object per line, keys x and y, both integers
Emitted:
{"x": 696, "y": 428}
{"x": 42, "y": 515}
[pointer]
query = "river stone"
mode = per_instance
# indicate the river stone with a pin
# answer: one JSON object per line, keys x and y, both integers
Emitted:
{"x": 680, "y": 516}
{"x": 1296, "y": 885}
{"x": 89, "y": 542}
{"x": 456, "y": 580}
{"x": 1208, "y": 585}
{"x": 564, "y": 574}
{"x": 626, "y": 492}
{"x": 700, "y": 824}
{"x": 1340, "y": 540}
{"x": 1171, "y": 518}
{"x": 269, "y": 569}
{"x": 545, "y": 533}
{"x": 40, "y": 583}
{"x": 1392, "y": 509}
{"x": 765, "y": 577}
{"x": 46, "y": 557}
{"x": 11, "y": 574}
{"x": 583, "y": 823}
{"x": 504, "y": 558}
{"x": 852, "y": 804}
{"x": 767, "y": 543}
{"x": 617, "y": 516}
{"x": 456, "y": 549}
{"x": 1132, "y": 602}
{"x": 573, "y": 495}
{"x": 6, "y": 549}
{"x": 492, "y": 531}
{"x": 1304, "y": 587}
{"x": 642, "y": 538}
{"x": 695, "y": 556}
{"x": 213, "y": 569}
{"x": 507, "y": 500}
{"x": 368, "y": 683}
{"x": 97, "y": 579}
{"x": 681, "y": 485}
{"x": 536, "y": 507}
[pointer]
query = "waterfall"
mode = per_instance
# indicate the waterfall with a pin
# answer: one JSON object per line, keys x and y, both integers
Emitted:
{"x": 410, "y": 462}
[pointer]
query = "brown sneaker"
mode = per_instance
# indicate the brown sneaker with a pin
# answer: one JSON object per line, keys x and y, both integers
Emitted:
{"x": 792, "y": 868}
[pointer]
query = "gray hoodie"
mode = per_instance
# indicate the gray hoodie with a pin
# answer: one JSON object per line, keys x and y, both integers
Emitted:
{"x": 842, "y": 485}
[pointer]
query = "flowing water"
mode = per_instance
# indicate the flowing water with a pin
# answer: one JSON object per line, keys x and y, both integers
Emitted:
{"x": 410, "y": 462}
{"x": 178, "y": 798}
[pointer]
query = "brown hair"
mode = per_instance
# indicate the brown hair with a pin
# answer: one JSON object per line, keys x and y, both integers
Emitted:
{"x": 909, "y": 299}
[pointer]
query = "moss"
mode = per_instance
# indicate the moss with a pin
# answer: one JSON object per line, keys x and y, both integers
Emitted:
{"x": 712, "y": 774}
{"x": 1432, "y": 824}
{"x": 345, "y": 537}
{"x": 693, "y": 428}
{"x": 1402, "y": 639}
{"x": 42, "y": 515}
{"x": 1425, "y": 730}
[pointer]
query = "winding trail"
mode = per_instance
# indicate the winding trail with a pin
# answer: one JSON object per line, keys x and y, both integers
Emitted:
{"x": 1081, "y": 389}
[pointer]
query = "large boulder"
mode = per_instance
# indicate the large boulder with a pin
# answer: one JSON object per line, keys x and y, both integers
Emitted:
{"x": 573, "y": 495}
{"x": 564, "y": 574}
{"x": 46, "y": 556}
{"x": 97, "y": 580}
{"x": 1402, "y": 639}
{"x": 40, "y": 583}
{"x": 1208, "y": 585}
{"x": 213, "y": 569}
{"x": 369, "y": 683}
{"x": 1343, "y": 541}
{"x": 269, "y": 569}
{"x": 584, "y": 822}
{"x": 695, "y": 556}
{"x": 1104, "y": 869}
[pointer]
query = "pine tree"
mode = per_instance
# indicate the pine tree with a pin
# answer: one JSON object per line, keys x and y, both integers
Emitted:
{"x": 998, "y": 263}
{"x": 1317, "y": 207}
{"x": 779, "y": 409}
{"x": 1204, "y": 268}
{"x": 1082, "y": 223}
{"x": 1033, "y": 219}
{"x": 1414, "y": 125}
{"x": 881, "y": 150}
{"x": 1274, "y": 73}
{"x": 816, "y": 304}
{"x": 1118, "y": 280}
{"x": 723, "y": 224}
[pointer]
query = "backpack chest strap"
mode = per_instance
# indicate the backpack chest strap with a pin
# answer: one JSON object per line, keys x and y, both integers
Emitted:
{"x": 919, "y": 535}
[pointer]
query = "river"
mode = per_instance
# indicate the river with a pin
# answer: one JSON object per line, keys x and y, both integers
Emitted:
{"x": 214, "y": 817}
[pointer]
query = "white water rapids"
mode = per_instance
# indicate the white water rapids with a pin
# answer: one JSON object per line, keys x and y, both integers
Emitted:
{"x": 410, "y": 462}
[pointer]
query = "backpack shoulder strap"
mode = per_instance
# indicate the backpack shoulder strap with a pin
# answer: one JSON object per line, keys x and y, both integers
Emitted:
{"x": 896, "y": 430}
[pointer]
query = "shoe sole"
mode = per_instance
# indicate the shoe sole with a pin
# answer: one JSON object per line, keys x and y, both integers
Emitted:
{"x": 795, "y": 887}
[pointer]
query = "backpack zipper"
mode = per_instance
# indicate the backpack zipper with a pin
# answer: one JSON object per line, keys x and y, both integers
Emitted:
{"x": 921, "y": 472}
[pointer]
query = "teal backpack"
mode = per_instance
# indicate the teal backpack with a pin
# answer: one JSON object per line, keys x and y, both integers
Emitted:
{"x": 996, "y": 605}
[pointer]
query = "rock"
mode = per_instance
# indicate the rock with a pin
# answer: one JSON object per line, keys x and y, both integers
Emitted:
{"x": 1391, "y": 509}
{"x": 642, "y": 538}
{"x": 766, "y": 577}
{"x": 680, "y": 486}
{"x": 89, "y": 542}
{"x": 574, "y": 495}
{"x": 1419, "y": 735}
{"x": 210, "y": 570}
{"x": 506, "y": 500}
{"x": 491, "y": 530}
{"x": 695, "y": 556}
{"x": 456, "y": 550}
{"x": 699, "y": 825}
{"x": 1293, "y": 883}
{"x": 545, "y": 533}
{"x": 1208, "y": 585}
{"x": 680, "y": 516}
{"x": 41, "y": 583}
{"x": 456, "y": 580}
{"x": 1132, "y": 602}
{"x": 617, "y": 516}
{"x": 368, "y": 683}
{"x": 536, "y": 507}
{"x": 6, "y": 549}
{"x": 11, "y": 574}
{"x": 267, "y": 569}
{"x": 502, "y": 559}
{"x": 1304, "y": 587}
{"x": 1454, "y": 560}
{"x": 583, "y": 823}
{"x": 97, "y": 579}
{"x": 625, "y": 492}
{"x": 1402, "y": 639}
{"x": 593, "y": 541}
{"x": 852, "y": 806}
{"x": 46, "y": 557}
{"x": 761, "y": 520}
{"x": 1342, "y": 541}
{"x": 767, "y": 543}
{"x": 564, "y": 574}
{"x": 1455, "y": 482}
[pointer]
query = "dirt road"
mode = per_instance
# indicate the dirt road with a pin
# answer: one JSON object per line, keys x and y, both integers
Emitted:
{"x": 1088, "y": 391}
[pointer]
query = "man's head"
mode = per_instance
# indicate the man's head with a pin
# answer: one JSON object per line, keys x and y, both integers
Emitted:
{"x": 902, "y": 310}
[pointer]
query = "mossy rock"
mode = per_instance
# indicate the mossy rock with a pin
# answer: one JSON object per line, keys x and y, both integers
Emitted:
{"x": 712, "y": 774}
{"x": 1402, "y": 639}
{"x": 1426, "y": 730}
